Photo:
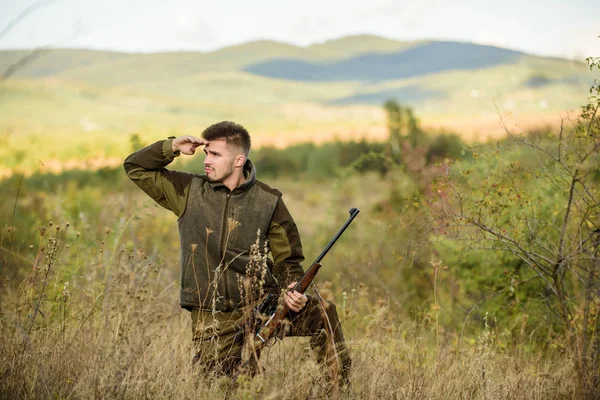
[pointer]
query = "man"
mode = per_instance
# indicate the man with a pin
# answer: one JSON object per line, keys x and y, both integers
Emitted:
{"x": 229, "y": 222}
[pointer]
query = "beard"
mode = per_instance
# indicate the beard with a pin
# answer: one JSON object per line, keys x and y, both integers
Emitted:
{"x": 214, "y": 178}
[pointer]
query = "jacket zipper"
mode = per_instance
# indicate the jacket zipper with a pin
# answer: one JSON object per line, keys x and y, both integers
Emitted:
{"x": 224, "y": 246}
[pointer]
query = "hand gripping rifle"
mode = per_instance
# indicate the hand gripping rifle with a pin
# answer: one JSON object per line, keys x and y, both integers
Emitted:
{"x": 275, "y": 310}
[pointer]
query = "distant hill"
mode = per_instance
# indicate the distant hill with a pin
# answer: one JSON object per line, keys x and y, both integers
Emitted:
{"x": 335, "y": 88}
{"x": 363, "y": 58}
{"x": 415, "y": 61}
{"x": 354, "y": 45}
{"x": 84, "y": 63}
{"x": 51, "y": 62}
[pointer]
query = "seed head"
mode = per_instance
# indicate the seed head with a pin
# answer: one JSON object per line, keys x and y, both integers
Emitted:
{"x": 66, "y": 294}
{"x": 53, "y": 244}
{"x": 232, "y": 224}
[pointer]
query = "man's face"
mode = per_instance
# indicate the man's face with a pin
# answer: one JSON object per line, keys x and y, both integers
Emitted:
{"x": 220, "y": 160}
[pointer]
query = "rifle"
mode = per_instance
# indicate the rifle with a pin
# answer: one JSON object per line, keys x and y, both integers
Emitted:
{"x": 276, "y": 310}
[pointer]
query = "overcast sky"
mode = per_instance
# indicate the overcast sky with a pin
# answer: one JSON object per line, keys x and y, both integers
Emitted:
{"x": 550, "y": 27}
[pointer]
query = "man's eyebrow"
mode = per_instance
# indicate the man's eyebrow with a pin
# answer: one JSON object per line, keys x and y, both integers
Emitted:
{"x": 214, "y": 153}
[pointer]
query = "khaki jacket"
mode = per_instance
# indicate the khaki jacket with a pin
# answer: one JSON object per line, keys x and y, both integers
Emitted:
{"x": 231, "y": 241}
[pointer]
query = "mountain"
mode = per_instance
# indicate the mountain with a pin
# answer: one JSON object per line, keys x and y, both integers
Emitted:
{"x": 80, "y": 64}
{"x": 354, "y": 45}
{"x": 50, "y": 62}
{"x": 332, "y": 88}
{"x": 415, "y": 61}
{"x": 363, "y": 58}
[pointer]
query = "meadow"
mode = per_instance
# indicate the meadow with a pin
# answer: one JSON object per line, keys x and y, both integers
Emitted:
{"x": 90, "y": 288}
{"x": 471, "y": 271}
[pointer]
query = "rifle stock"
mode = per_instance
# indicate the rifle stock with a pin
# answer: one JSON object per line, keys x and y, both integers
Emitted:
{"x": 307, "y": 278}
{"x": 267, "y": 330}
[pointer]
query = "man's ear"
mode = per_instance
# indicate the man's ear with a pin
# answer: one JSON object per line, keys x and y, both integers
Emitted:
{"x": 240, "y": 160}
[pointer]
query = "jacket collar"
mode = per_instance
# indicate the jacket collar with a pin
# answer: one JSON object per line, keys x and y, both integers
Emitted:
{"x": 249, "y": 173}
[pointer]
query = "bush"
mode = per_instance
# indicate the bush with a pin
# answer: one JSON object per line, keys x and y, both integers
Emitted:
{"x": 446, "y": 145}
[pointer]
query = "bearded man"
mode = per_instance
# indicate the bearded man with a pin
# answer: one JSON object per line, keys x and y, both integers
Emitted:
{"x": 227, "y": 220}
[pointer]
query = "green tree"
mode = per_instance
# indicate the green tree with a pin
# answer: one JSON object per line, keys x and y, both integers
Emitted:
{"x": 394, "y": 124}
{"x": 414, "y": 133}
{"x": 403, "y": 127}
{"x": 537, "y": 197}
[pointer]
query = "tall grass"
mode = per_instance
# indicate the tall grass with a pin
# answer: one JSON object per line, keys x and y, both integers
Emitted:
{"x": 121, "y": 335}
{"x": 90, "y": 309}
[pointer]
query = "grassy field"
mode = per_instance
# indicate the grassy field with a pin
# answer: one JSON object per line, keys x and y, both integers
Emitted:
{"x": 50, "y": 122}
{"x": 94, "y": 310}
{"x": 89, "y": 266}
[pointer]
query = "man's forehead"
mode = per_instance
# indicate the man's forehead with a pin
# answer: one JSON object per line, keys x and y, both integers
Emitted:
{"x": 222, "y": 146}
{"x": 217, "y": 144}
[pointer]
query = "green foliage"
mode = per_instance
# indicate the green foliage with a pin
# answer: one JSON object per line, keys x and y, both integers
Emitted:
{"x": 136, "y": 142}
{"x": 308, "y": 160}
{"x": 445, "y": 145}
{"x": 394, "y": 124}
{"x": 403, "y": 129}
{"x": 590, "y": 110}
{"x": 536, "y": 198}
{"x": 414, "y": 303}
{"x": 494, "y": 283}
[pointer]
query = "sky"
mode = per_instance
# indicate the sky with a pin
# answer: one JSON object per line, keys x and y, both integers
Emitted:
{"x": 568, "y": 28}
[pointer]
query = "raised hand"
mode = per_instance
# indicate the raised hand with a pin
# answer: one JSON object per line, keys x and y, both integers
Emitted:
{"x": 187, "y": 144}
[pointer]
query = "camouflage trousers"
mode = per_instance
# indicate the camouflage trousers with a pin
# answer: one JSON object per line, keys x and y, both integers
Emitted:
{"x": 219, "y": 338}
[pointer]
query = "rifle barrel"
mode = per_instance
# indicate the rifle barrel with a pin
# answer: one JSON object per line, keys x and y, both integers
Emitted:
{"x": 353, "y": 213}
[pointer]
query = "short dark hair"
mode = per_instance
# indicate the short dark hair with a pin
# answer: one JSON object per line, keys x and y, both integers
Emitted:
{"x": 234, "y": 134}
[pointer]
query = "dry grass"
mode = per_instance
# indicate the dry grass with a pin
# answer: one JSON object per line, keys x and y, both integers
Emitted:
{"x": 116, "y": 332}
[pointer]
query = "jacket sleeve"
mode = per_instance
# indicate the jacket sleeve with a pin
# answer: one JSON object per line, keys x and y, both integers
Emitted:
{"x": 286, "y": 248}
{"x": 146, "y": 168}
